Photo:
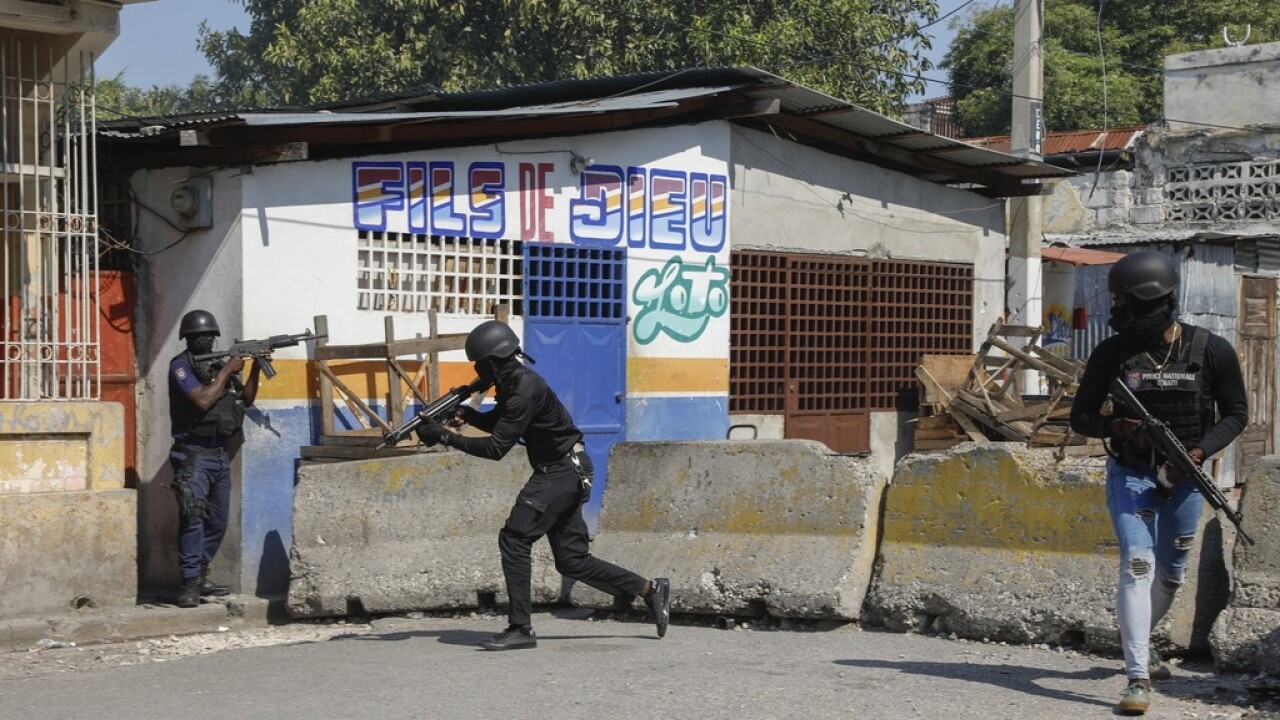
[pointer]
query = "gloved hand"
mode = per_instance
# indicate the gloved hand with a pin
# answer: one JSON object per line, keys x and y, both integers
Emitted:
{"x": 431, "y": 432}
{"x": 1131, "y": 429}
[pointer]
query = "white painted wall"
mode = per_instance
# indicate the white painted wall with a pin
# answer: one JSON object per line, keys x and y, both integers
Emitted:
{"x": 791, "y": 198}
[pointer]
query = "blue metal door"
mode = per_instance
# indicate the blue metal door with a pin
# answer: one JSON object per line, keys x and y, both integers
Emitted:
{"x": 575, "y": 327}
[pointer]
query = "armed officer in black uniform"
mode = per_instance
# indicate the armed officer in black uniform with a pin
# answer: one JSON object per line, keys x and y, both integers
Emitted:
{"x": 551, "y": 501}
{"x": 206, "y": 411}
{"x": 1188, "y": 378}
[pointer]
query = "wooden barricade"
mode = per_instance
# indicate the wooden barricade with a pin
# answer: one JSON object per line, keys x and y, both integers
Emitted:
{"x": 403, "y": 388}
{"x": 990, "y": 404}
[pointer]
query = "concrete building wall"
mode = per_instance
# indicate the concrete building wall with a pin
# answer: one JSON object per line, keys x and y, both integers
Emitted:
{"x": 1231, "y": 86}
{"x": 67, "y": 529}
{"x": 796, "y": 199}
{"x": 791, "y": 198}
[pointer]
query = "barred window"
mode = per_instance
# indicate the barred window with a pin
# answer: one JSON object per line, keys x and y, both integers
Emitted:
{"x": 415, "y": 273}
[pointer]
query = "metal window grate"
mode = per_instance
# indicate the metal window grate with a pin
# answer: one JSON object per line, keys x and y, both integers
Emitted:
{"x": 848, "y": 333}
{"x": 758, "y": 339}
{"x": 49, "y": 327}
{"x": 415, "y": 273}
{"x": 568, "y": 281}
{"x": 827, "y": 322}
{"x": 918, "y": 308}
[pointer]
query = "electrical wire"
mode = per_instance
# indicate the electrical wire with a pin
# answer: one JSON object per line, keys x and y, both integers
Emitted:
{"x": 1102, "y": 58}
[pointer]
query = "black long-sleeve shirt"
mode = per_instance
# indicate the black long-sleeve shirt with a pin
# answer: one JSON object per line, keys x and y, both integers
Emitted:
{"x": 1222, "y": 376}
{"x": 527, "y": 408}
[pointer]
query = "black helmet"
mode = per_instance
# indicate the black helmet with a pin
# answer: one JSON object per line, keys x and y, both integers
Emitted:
{"x": 492, "y": 339}
{"x": 197, "y": 322}
{"x": 1145, "y": 275}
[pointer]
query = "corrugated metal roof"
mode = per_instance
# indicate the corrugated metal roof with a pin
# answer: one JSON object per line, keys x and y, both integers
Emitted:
{"x": 638, "y": 92}
{"x": 1068, "y": 142}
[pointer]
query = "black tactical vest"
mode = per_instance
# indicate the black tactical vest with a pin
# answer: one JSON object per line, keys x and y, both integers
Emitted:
{"x": 1174, "y": 391}
{"x": 223, "y": 419}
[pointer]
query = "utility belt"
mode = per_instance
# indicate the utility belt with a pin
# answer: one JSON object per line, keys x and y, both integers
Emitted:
{"x": 199, "y": 450}
{"x": 584, "y": 474}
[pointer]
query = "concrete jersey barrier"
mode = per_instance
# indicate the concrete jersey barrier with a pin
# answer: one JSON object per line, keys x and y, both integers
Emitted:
{"x": 405, "y": 533}
{"x": 1000, "y": 542}
{"x": 743, "y": 527}
{"x": 1246, "y": 636}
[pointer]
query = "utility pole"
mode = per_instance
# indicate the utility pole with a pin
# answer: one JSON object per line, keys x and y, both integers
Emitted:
{"x": 1026, "y": 227}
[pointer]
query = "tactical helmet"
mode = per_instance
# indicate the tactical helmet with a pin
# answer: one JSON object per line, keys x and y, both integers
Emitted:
{"x": 1145, "y": 275}
{"x": 492, "y": 339}
{"x": 196, "y": 322}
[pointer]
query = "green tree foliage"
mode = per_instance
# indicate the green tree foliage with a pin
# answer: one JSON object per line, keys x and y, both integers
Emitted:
{"x": 298, "y": 52}
{"x": 1135, "y": 38}
{"x": 114, "y": 98}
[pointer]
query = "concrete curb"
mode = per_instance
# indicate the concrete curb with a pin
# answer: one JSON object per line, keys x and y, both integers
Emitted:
{"x": 120, "y": 624}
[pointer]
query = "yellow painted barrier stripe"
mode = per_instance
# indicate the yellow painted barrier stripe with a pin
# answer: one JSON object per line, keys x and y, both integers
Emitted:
{"x": 298, "y": 379}
{"x": 676, "y": 375}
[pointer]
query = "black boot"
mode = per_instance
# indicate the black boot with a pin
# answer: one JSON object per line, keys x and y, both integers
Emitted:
{"x": 190, "y": 595}
{"x": 207, "y": 587}
{"x": 659, "y": 602}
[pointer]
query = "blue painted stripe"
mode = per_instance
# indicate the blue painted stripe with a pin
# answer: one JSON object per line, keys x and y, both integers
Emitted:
{"x": 677, "y": 418}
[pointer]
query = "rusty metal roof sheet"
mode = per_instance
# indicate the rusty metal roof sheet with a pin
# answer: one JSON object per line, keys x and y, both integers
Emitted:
{"x": 1067, "y": 142}
{"x": 1079, "y": 256}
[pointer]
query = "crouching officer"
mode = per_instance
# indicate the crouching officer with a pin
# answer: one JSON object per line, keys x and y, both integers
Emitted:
{"x": 551, "y": 501}
{"x": 206, "y": 410}
{"x": 1190, "y": 379}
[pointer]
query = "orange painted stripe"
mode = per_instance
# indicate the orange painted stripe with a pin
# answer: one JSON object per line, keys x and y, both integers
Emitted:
{"x": 674, "y": 375}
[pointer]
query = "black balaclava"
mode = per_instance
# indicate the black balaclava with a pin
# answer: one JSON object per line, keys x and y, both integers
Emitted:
{"x": 1143, "y": 322}
{"x": 201, "y": 343}
{"x": 496, "y": 370}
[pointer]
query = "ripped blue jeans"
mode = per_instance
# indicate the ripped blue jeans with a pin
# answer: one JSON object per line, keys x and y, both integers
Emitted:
{"x": 1157, "y": 532}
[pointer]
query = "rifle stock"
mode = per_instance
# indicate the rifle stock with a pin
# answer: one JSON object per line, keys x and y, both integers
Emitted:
{"x": 1177, "y": 454}
{"x": 439, "y": 410}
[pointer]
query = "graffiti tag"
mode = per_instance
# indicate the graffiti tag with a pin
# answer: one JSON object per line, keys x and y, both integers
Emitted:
{"x": 679, "y": 300}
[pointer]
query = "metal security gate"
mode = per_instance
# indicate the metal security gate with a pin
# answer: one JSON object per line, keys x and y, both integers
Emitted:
{"x": 825, "y": 340}
{"x": 49, "y": 327}
{"x": 575, "y": 327}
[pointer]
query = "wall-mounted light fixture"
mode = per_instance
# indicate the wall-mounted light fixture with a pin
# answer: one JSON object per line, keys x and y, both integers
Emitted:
{"x": 579, "y": 163}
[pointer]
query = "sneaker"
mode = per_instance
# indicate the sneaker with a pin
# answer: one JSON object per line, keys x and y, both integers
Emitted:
{"x": 190, "y": 595}
{"x": 1156, "y": 667}
{"x": 1135, "y": 700}
{"x": 514, "y": 637}
{"x": 659, "y": 602}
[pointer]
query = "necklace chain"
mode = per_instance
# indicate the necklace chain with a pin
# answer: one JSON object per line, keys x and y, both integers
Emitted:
{"x": 1176, "y": 342}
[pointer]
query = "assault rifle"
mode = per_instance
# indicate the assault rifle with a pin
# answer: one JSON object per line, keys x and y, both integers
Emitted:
{"x": 1173, "y": 450}
{"x": 257, "y": 349}
{"x": 440, "y": 410}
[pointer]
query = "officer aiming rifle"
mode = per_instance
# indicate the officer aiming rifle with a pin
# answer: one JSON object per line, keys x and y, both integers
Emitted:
{"x": 259, "y": 350}
{"x": 1176, "y": 455}
{"x": 440, "y": 410}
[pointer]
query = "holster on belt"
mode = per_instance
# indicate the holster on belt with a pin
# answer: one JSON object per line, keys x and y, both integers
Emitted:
{"x": 584, "y": 475}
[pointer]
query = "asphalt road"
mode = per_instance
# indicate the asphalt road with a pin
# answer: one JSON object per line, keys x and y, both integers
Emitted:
{"x": 594, "y": 669}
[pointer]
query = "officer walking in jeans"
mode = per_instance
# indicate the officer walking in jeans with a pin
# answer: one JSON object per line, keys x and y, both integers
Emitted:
{"x": 206, "y": 411}
{"x": 551, "y": 501}
{"x": 1188, "y": 378}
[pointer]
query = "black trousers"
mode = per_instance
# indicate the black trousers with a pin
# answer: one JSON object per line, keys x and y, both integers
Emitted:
{"x": 550, "y": 504}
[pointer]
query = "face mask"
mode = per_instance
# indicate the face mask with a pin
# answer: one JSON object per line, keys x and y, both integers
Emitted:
{"x": 1143, "y": 323}
{"x": 200, "y": 344}
{"x": 484, "y": 371}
